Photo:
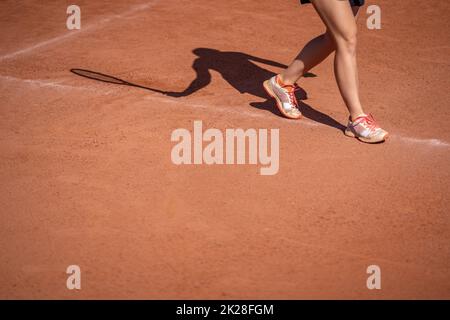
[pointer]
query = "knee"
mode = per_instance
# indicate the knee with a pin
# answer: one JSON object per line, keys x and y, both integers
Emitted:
{"x": 348, "y": 41}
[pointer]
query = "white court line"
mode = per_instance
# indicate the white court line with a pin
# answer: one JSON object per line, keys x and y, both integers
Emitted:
{"x": 222, "y": 109}
{"x": 428, "y": 142}
{"x": 45, "y": 83}
{"x": 71, "y": 33}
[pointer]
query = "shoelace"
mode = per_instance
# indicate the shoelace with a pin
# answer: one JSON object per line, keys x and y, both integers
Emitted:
{"x": 369, "y": 122}
{"x": 291, "y": 89}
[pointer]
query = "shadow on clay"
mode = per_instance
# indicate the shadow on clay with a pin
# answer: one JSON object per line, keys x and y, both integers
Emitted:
{"x": 239, "y": 70}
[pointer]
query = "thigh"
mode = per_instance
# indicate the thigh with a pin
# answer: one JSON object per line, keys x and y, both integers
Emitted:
{"x": 338, "y": 16}
{"x": 355, "y": 10}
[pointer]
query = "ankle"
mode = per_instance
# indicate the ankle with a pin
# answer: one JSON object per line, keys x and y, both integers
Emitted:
{"x": 355, "y": 116}
{"x": 285, "y": 81}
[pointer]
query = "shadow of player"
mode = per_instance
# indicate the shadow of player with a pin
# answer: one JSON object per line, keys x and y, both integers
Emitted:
{"x": 239, "y": 70}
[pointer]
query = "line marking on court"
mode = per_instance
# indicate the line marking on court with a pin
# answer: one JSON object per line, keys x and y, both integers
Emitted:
{"x": 429, "y": 142}
{"x": 102, "y": 22}
{"x": 219, "y": 108}
{"x": 45, "y": 83}
{"x": 432, "y": 142}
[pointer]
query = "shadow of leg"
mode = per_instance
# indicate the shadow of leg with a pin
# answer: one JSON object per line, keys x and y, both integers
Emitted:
{"x": 268, "y": 105}
{"x": 313, "y": 114}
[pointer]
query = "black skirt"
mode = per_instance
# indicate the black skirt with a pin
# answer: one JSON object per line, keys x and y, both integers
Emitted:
{"x": 352, "y": 2}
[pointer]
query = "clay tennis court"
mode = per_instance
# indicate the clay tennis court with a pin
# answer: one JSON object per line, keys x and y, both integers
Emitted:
{"x": 86, "y": 176}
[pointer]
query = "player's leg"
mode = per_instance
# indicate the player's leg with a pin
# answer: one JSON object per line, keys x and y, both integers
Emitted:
{"x": 338, "y": 17}
{"x": 314, "y": 52}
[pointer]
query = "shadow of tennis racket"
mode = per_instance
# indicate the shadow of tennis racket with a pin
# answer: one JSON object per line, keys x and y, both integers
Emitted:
{"x": 109, "y": 79}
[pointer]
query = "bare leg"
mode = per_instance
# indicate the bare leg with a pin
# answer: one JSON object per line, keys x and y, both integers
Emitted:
{"x": 338, "y": 17}
{"x": 340, "y": 36}
{"x": 314, "y": 52}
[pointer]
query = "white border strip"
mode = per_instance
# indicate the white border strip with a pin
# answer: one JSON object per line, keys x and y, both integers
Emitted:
{"x": 427, "y": 142}
{"x": 437, "y": 143}
{"x": 45, "y": 83}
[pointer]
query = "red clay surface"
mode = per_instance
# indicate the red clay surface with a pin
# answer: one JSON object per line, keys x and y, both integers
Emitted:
{"x": 87, "y": 179}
